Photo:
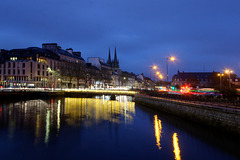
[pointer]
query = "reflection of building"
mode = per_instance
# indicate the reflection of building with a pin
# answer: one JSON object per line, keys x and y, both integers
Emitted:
{"x": 97, "y": 110}
{"x": 46, "y": 117}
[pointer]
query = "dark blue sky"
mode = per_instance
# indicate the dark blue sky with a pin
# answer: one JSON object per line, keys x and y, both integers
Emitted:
{"x": 204, "y": 35}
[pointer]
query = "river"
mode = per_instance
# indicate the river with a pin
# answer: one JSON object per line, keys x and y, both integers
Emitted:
{"x": 100, "y": 128}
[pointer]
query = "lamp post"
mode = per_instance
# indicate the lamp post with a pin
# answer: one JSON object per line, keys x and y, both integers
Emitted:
{"x": 54, "y": 75}
{"x": 220, "y": 75}
{"x": 160, "y": 76}
{"x": 154, "y": 68}
{"x": 227, "y": 71}
{"x": 171, "y": 59}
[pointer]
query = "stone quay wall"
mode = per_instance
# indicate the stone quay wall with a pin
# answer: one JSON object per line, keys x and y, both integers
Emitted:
{"x": 224, "y": 118}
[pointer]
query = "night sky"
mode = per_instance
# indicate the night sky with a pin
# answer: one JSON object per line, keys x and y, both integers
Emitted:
{"x": 204, "y": 35}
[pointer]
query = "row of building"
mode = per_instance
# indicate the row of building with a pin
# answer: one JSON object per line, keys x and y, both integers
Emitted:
{"x": 53, "y": 67}
{"x": 204, "y": 79}
{"x": 41, "y": 67}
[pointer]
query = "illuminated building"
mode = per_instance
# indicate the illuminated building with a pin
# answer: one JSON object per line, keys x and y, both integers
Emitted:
{"x": 29, "y": 67}
{"x": 200, "y": 79}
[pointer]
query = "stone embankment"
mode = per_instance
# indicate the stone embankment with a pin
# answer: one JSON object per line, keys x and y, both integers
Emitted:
{"x": 224, "y": 118}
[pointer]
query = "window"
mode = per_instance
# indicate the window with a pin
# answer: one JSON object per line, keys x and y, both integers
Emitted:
{"x": 14, "y": 71}
{"x": 13, "y": 64}
{"x": 18, "y": 71}
{"x": 23, "y": 72}
{"x": 42, "y": 66}
{"x": 9, "y": 64}
{"x": 39, "y": 73}
{"x": 9, "y": 71}
{"x": 38, "y": 66}
{"x": 43, "y": 73}
{"x": 23, "y": 65}
{"x": 13, "y": 58}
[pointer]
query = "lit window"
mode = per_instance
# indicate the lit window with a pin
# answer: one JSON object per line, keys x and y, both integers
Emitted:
{"x": 13, "y": 58}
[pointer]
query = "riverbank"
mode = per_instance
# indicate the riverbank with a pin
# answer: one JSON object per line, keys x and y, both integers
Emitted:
{"x": 224, "y": 118}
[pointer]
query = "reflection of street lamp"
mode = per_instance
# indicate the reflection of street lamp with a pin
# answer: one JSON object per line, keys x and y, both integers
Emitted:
{"x": 171, "y": 59}
{"x": 220, "y": 75}
{"x": 227, "y": 71}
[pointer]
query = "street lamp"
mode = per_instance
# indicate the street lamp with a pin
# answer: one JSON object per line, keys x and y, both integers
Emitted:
{"x": 160, "y": 76}
{"x": 228, "y": 71}
{"x": 220, "y": 75}
{"x": 154, "y": 68}
{"x": 171, "y": 59}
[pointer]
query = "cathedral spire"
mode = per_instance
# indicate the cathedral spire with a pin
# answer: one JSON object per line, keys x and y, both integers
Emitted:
{"x": 115, "y": 61}
{"x": 115, "y": 55}
{"x": 109, "y": 61}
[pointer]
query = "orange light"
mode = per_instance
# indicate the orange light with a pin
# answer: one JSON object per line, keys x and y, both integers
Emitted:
{"x": 172, "y": 58}
{"x": 228, "y": 71}
{"x": 154, "y": 67}
{"x": 157, "y": 73}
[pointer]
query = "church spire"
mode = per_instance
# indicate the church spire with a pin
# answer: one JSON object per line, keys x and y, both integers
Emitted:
{"x": 115, "y": 55}
{"x": 115, "y": 61}
{"x": 109, "y": 61}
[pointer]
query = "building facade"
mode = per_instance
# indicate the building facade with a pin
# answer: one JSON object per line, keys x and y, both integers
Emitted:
{"x": 35, "y": 67}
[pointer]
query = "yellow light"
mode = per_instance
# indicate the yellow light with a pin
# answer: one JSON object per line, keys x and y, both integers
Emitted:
{"x": 158, "y": 130}
{"x": 157, "y": 73}
{"x": 154, "y": 67}
{"x": 176, "y": 147}
{"x": 228, "y": 71}
{"x": 172, "y": 58}
{"x": 219, "y": 74}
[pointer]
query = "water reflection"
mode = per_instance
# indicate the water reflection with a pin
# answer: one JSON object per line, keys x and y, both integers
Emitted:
{"x": 176, "y": 147}
{"x": 158, "y": 130}
{"x": 45, "y": 117}
{"x": 94, "y": 111}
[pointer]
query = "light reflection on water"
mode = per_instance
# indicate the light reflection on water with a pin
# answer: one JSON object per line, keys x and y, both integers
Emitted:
{"x": 125, "y": 130}
{"x": 45, "y": 117}
{"x": 176, "y": 147}
{"x": 158, "y": 130}
{"x": 87, "y": 111}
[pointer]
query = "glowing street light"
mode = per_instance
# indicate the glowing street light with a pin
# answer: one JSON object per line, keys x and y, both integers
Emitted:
{"x": 157, "y": 73}
{"x": 152, "y": 68}
{"x": 160, "y": 76}
{"x": 228, "y": 71}
{"x": 171, "y": 59}
{"x": 220, "y": 75}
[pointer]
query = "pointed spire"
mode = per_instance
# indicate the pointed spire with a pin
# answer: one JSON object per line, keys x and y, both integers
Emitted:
{"x": 115, "y": 62}
{"x": 109, "y": 61}
{"x": 115, "y": 55}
